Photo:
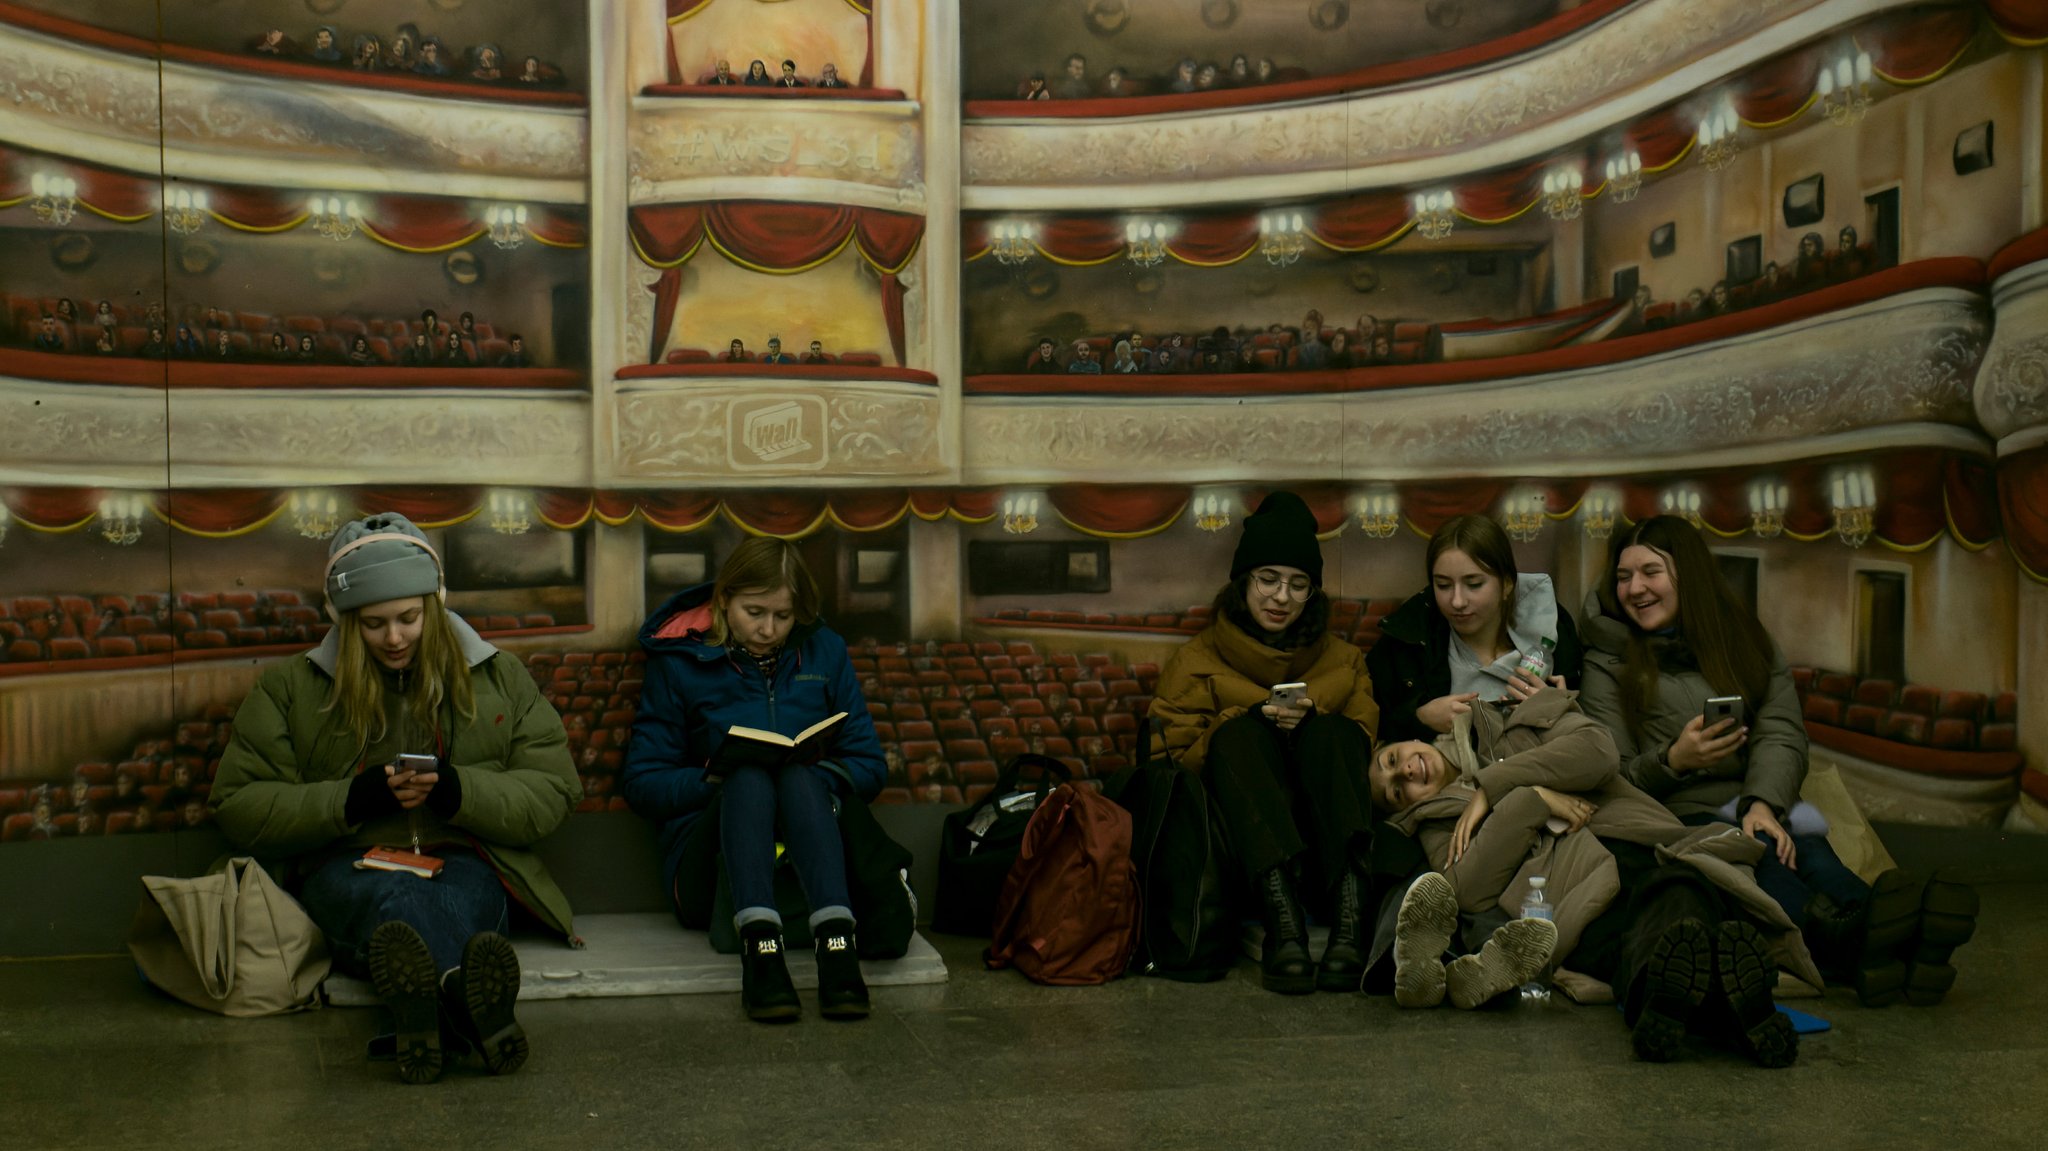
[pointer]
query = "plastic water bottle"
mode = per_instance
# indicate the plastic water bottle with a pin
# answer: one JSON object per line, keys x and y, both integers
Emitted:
{"x": 1539, "y": 661}
{"x": 1534, "y": 906}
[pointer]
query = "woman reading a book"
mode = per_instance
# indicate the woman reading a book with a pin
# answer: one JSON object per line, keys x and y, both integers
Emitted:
{"x": 394, "y": 778}
{"x": 753, "y": 729}
{"x": 1277, "y": 715}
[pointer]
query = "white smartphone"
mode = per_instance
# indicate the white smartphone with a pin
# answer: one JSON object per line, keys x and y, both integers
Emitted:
{"x": 1288, "y": 695}
{"x": 1719, "y": 708}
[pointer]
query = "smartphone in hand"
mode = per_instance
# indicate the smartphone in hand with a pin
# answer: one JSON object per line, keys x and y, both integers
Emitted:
{"x": 1719, "y": 708}
{"x": 1288, "y": 695}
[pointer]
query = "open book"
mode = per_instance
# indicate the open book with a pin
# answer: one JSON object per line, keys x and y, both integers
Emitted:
{"x": 397, "y": 859}
{"x": 751, "y": 746}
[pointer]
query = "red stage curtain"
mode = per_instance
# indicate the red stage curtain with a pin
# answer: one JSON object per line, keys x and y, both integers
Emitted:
{"x": 1909, "y": 508}
{"x": 868, "y": 509}
{"x": 1082, "y": 239}
{"x": 427, "y": 507}
{"x": 777, "y": 237}
{"x": 2020, "y": 19}
{"x": 256, "y": 209}
{"x": 1970, "y": 493}
{"x": 614, "y": 508}
{"x": 892, "y": 317}
{"x": 2023, "y": 504}
{"x": 220, "y": 511}
{"x": 973, "y": 236}
{"x": 888, "y": 240}
{"x": 666, "y": 235}
{"x": 564, "y": 510}
{"x": 421, "y": 223}
{"x": 1504, "y": 194}
{"x": 968, "y": 504}
{"x": 52, "y": 509}
{"x": 1218, "y": 239}
{"x": 1360, "y": 222}
{"x": 1916, "y": 43}
{"x": 1779, "y": 88}
{"x": 678, "y": 511}
{"x": 1662, "y": 137}
{"x": 785, "y": 515}
{"x": 559, "y": 227}
{"x": 1119, "y": 512}
{"x": 1427, "y": 509}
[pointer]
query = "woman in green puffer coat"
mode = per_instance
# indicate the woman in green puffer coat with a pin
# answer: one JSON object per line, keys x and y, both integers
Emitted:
{"x": 404, "y": 730}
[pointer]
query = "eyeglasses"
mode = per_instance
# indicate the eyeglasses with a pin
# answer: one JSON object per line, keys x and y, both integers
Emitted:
{"x": 1271, "y": 583}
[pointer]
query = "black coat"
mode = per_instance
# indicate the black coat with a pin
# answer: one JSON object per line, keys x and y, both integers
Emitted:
{"x": 1411, "y": 664}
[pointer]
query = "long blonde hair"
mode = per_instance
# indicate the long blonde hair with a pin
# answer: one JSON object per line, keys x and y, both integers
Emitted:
{"x": 760, "y": 565}
{"x": 438, "y": 675}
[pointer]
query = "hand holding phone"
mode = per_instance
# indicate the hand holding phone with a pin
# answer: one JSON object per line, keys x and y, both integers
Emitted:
{"x": 411, "y": 777}
{"x": 1288, "y": 704}
{"x": 1720, "y": 708}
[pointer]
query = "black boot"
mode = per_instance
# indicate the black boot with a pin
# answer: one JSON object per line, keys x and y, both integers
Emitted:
{"x": 1343, "y": 965}
{"x": 842, "y": 993}
{"x": 1284, "y": 963}
{"x": 402, "y": 970}
{"x": 1948, "y": 918}
{"x": 1740, "y": 1010}
{"x": 1889, "y": 923}
{"x": 1668, "y": 966}
{"x": 478, "y": 998}
{"x": 765, "y": 988}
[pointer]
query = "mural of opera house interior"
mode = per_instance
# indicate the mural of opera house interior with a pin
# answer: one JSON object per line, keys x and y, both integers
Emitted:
{"x": 1009, "y": 313}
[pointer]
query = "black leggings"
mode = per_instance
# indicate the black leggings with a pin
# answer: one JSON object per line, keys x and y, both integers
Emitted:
{"x": 1282, "y": 794}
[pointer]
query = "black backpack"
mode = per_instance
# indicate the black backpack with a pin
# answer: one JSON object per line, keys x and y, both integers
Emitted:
{"x": 1189, "y": 930}
{"x": 973, "y": 865}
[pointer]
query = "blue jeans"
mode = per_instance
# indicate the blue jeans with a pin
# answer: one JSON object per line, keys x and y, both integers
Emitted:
{"x": 793, "y": 803}
{"x": 446, "y": 910}
{"x": 1818, "y": 871}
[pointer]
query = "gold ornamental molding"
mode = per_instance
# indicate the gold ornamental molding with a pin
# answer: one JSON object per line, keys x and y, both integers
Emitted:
{"x": 864, "y": 153}
{"x": 1892, "y": 373}
{"x": 1647, "y": 55}
{"x": 661, "y": 433}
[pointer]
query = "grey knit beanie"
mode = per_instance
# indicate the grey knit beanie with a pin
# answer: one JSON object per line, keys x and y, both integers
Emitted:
{"x": 379, "y": 558}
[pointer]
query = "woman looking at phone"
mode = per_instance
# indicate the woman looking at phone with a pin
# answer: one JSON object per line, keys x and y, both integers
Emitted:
{"x": 404, "y": 729}
{"x": 749, "y": 650}
{"x": 1669, "y": 637}
{"x": 1288, "y": 773}
{"x": 1481, "y": 631}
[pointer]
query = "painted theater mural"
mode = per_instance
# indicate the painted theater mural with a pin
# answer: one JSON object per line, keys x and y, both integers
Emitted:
{"x": 1010, "y": 313}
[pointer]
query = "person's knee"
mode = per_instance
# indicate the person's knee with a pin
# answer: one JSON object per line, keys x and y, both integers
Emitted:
{"x": 1325, "y": 729}
{"x": 1245, "y": 736}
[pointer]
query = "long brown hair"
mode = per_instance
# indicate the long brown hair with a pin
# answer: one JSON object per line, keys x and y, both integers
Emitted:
{"x": 1734, "y": 651}
{"x": 438, "y": 675}
{"x": 759, "y": 566}
{"x": 1485, "y": 543}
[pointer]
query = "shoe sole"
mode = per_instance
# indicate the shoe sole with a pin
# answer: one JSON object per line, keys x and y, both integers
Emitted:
{"x": 847, "y": 1011}
{"x": 1678, "y": 975}
{"x": 490, "y": 988}
{"x": 402, "y": 970}
{"x": 1517, "y": 953}
{"x": 1747, "y": 973}
{"x": 1422, "y": 933}
{"x": 1304, "y": 984}
{"x": 1894, "y": 917}
{"x": 1948, "y": 919}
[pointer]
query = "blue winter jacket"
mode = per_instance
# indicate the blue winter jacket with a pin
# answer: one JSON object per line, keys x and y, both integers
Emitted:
{"x": 695, "y": 692}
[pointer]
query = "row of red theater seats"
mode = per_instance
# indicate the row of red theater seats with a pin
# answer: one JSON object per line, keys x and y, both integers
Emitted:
{"x": 1912, "y": 714}
{"x": 21, "y": 827}
{"x": 21, "y": 799}
{"x": 1412, "y": 343}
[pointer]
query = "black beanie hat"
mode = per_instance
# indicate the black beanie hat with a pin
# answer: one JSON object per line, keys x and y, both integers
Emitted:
{"x": 1282, "y": 533}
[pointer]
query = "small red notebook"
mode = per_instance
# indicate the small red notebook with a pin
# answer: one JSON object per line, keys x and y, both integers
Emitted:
{"x": 392, "y": 859}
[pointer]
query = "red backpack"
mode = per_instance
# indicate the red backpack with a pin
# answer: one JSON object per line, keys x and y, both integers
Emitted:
{"x": 1068, "y": 912}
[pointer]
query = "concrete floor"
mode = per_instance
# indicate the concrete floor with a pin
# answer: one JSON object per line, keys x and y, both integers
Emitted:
{"x": 90, "y": 1059}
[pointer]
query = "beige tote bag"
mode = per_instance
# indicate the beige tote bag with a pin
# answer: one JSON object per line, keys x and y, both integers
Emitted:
{"x": 232, "y": 942}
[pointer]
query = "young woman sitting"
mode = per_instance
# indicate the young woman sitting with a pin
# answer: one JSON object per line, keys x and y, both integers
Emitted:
{"x": 749, "y": 650}
{"x": 1528, "y": 789}
{"x": 1668, "y": 636}
{"x": 1481, "y": 630}
{"x": 403, "y": 729}
{"x": 1288, "y": 777}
